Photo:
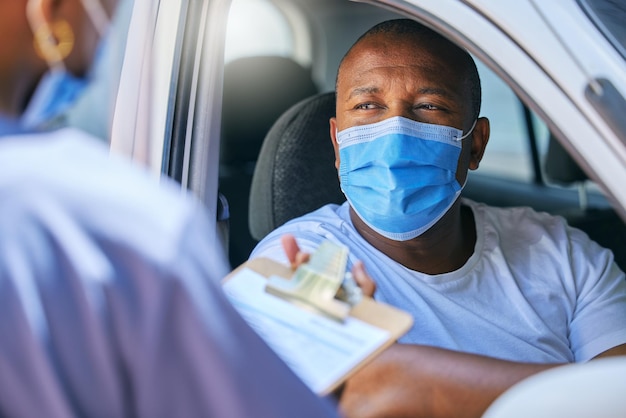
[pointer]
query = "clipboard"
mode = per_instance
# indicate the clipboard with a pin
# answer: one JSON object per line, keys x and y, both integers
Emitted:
{"x": 378, "y": 324}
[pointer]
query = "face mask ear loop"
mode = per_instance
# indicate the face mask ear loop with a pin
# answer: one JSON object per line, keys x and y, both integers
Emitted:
{"x": 97, "y": 15}
{"x": 468, "y": 132}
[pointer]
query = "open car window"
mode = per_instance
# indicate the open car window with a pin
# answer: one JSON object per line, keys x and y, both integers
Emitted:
{"x": 528, "y": 95}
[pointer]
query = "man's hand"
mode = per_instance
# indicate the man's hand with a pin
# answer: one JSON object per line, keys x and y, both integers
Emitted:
{"x": 297, "y": 257}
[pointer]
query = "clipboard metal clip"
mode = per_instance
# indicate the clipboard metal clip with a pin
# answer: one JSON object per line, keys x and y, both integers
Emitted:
{"x": 322, "y": 283}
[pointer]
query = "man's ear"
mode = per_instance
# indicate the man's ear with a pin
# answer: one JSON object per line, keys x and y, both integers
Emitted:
{"x": 333, "y": 137}
{"x": 480, "y": 137}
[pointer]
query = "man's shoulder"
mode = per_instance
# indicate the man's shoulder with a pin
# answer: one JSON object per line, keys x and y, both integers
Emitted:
{"x": 328, "y": 217}
{"x": 309, "y": 229}
{"x": 523, "y": 225}
{"x": 514, "y": 217}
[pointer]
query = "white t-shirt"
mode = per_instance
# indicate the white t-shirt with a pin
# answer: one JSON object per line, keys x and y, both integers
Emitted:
{"x": 535, "y": 289}
{"x": 110, "y": 302}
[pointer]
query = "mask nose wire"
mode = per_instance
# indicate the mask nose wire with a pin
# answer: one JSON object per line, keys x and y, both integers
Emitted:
{"x": 468, "y": 132}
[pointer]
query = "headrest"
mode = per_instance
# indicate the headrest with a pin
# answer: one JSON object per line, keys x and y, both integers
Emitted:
{"x": 295, "y": 173}
{"x": 257, "y": 90}
{"x": 560, "y": 167}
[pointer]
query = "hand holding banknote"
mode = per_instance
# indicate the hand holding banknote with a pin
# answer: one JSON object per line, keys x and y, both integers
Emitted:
{"x": 297, "y": 257}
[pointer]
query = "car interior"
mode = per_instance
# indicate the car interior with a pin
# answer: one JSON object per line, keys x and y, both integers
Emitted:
{"x": 277, "y": 161}
{"x": 255, "y": 95}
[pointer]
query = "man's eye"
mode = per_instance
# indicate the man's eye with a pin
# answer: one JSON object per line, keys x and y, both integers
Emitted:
{"x": 366, "y": 106}
{"x": 427, "y": 106}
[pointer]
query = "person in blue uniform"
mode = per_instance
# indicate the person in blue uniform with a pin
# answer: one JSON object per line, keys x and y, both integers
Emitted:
{"x": 110, "y": 303}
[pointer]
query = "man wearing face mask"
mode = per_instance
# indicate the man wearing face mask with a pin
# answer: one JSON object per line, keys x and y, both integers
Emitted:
{"x": 110, "y": 302}
{"x": 496, "y": 294}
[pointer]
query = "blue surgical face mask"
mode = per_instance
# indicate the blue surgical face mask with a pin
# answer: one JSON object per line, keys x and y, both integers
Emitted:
{"x": 399, "y": 175}
{"x": 56, "y": 92}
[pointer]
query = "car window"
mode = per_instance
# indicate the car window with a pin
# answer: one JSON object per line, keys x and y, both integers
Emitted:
{"x": 257, "y": 27}
{"x": 515, "y": 131}
{"x": 607, "y": 15}
{"x": 518, "y": 143}
{"x": 509, "y": 148}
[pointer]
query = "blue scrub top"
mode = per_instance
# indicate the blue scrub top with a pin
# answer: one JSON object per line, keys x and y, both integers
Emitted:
{"x": 110, "y": 296}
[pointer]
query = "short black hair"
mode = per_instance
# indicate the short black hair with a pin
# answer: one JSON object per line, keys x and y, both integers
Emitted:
{"x": 413, "y": 28}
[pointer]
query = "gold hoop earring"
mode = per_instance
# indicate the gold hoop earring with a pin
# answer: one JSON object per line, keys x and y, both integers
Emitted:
{"x": 55, "y": 42}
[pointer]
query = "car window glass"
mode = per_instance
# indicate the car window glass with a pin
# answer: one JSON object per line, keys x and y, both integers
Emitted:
{"x": 608, "y": 16}
{"x": 508, "y": 152}
{"x": 257, "y": 27}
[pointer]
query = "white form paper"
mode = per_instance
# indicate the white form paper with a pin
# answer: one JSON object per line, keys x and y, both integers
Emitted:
{"x": 318, "y": 349}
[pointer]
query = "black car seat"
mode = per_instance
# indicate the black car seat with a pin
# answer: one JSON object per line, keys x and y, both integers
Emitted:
{"x": 295, "y": 173}
{"x": 257, "y": 90}
{"x": 603, "y": 225}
